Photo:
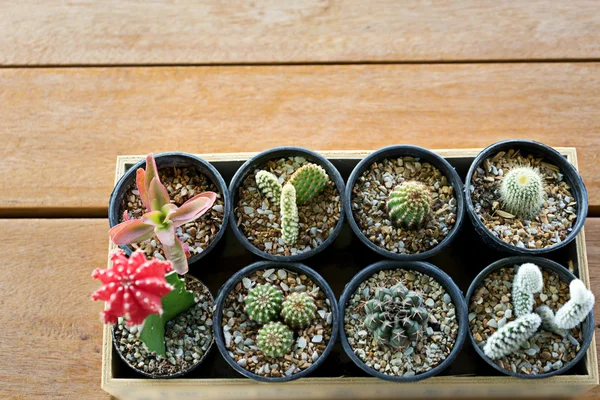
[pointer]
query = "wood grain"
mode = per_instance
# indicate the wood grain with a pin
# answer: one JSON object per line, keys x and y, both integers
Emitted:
{"x": 52, "y": 334}
{"x": 55, "y": 32}
{"x": 63, "y": 128}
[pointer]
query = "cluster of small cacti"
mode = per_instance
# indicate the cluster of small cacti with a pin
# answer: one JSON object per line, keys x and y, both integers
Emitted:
{"x": 265, "y": 303}
{"x": 529, "y": 280}
{"x": 396, "y": 316}
{"x": 306, "y": 183}
{"x": 522, "y": 191}
{"x": 409, "y": 204}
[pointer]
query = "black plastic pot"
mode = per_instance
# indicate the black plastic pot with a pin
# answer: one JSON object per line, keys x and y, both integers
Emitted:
{"x": 169, "y": 160}
{"x": 566, "y": 276}
{"x": 175, "y": 375}
{"x": 569, "y": 172}
{"x": 400, "y": 151}
{"x": 426, "y": 269}
{"x": 237, "y": 278}
{"x": 258, "y": 160}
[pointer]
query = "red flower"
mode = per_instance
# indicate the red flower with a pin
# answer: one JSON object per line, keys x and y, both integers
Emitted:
{"x": 132, "y": 288}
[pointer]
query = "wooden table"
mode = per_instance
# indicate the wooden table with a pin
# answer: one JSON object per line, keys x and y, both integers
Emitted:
{"x": 82, "y": 82}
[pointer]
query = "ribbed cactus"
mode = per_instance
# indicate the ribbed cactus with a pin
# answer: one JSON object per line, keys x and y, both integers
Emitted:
{"x": 298, "y": 309}
{"x": 309, "y": 181}
{"x": 528, "y": 280}
{"x": 409, "y": 204}
{"x": 268, "y": 185}
{"x": 396, "y": 316}
{"x": 577, "y": 308}
{"x": 275, "y": 339}
{"x": 548, "y": 324}
{"x": 522, "y": 191}
{"x": 289, "y": 214}
{"x": 263, "y": 303}
{"x": 509, "y": 338}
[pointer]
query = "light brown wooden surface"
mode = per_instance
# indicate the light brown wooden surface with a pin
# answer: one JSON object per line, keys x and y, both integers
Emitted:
{"x": 63, "y": 128}
{"x": 55, "y": 32}
{"x": 45, "y": 294}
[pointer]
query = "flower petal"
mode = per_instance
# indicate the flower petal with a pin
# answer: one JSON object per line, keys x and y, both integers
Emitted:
{"x": 193, "y": 208}
{"x": 158, "y": 195}
{"x": 140, "y": 181}
{"x": 166, "y": 235}
{"x": 133, "y": 231}
{"x": 176, "y": 255}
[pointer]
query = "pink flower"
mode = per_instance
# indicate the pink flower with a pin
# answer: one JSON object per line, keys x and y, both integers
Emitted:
{"x": 132, "y": 288}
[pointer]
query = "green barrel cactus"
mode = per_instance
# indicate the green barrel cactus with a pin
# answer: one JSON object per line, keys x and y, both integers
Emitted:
{"x": 298, "y": 309}
{"x": 309, "y": 181}
{"x": 409, "y": 204}
{"x": 396, "y": 316}
{"x": 289, "y": 214}
{"x": 275, "y": 339}
{"x": 263, "y": 303}
{"x": 268, "y": 185}
{"x": 522, "y": 191}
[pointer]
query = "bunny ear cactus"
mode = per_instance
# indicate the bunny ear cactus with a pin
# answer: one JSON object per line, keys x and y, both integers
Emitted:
{"x": 409, "y": 204}
{"x": 509, "y": 338}
{"x": 298, "y": 309}
{"x": 577, "y": 308}
{"x": 268, "y": 185}
{"x": 162, "y": 217}
{"x": 522, "y": 191}
{"x": 263, "y": 303}
{"x": 309, "y": 181}
{"x": 275, "y": 339}
{"x": 289, "y": 214}
{"x": 396, "y": 316}
{"x": 528, "y": 280}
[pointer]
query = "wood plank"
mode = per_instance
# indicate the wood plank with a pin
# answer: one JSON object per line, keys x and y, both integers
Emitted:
{"x": 55, "y": 32}
{"x": 52, "y": 346}
{"x": 63, "y": 128}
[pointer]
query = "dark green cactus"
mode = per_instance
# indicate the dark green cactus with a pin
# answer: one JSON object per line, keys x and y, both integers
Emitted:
{"x": 409, "y": 204}
{"x": 309, "y": 181}
{"x": 263, "y": 303}
{"x": 396, "y": 316}
{"x": 298, "y": 309}
{"x": 275, "y": 339}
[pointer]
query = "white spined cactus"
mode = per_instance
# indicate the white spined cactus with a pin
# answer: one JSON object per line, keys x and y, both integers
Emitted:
{"x": 548, "y": 324}
{"x": 528, "y": 280}
{"x": 522, "y": 191}
{"x": 509, "y": 338}
{"x": 577, "y": 308}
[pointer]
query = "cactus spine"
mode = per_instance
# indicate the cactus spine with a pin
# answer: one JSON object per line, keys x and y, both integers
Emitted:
{"x": 274, "y": 339}
{"x": 268, "y": 185}
{"x": 522, "y": 191}
{"x": 528, "y": 280}
{"x": 509, "y": 338}
{"x": 289, "y": 214}
{"x": 577, "y": 308}
{"x": 409, "y": 204}
{"x": 298, "y": 309}
{"x": 263, "y": 303}
{"x": 309, "y": 181}
{"x": 548, "y": 324}
{"x": 396, "y": 316}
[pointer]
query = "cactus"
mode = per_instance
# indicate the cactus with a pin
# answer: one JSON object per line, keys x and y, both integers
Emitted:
{"x": 548, "y": 324}
{"x": 268, "y": 185}
{"x": 528, "y": 280}
{"x": 509, "y": 338}
{"x": 409, "y": 204}
{"x": 263, "y": 303}
{"x": 522, "y": 191}
{"x": 396, "y": 316}
{"x": 275, "y": 339}
{"x": 309, "y": 181}
{"x": 577, "y": 308}
{"x": 289, "y": 214}
{"x": 298, "y": 309}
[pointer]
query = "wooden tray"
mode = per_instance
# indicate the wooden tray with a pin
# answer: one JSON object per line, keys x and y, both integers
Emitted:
{"x": 338, "y": 377}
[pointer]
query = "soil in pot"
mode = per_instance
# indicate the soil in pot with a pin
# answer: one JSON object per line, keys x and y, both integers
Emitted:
{"x": 260, "y": 221}
{"x": 491, "y": 308}
{"x": 370, "y": 195}
{"x": 433, "y": 344}
{"x": 240, "y": 333}
{"x": 188, "y": 338}
{"x": 182, "y": 184}
{"x": 549, "y": 226}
